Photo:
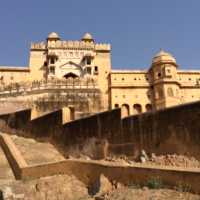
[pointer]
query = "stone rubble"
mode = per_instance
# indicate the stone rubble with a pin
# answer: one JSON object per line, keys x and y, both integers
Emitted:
{"x": 173, "y": 160}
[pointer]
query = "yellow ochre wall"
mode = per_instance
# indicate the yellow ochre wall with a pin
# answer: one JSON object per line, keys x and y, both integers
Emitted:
{"x": 161, "y": 85}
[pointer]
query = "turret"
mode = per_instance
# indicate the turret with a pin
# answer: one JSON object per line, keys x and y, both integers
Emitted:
{"x": 163, "y": 72}
{"x": 52, "y": 38}
{"x": 87, "y": 38}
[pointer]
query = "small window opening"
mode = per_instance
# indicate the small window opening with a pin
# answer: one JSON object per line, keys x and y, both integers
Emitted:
{"x": 116, "y": 105}
{"x": 88, "y": 70}
{"x": 52, "y": 70}
{"x": 88, "y": 61}
{"x": 52, "y": 61}
{"x": 96, "y": 70}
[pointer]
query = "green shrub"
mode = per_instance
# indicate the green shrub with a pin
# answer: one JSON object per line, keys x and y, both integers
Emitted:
{"x": 154, "y": 183}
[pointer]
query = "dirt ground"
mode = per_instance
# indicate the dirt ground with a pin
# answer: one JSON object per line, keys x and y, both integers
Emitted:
{"x": 64, "y": 187}
{"x": 147, "y": 194}
{"x": 5, "y": 169}
{"x": 35, "y": 152}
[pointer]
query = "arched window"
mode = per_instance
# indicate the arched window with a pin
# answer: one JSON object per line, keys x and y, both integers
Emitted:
{"x": 137, "y": 108}
{"x": 148, "y": 107}
{"x": 96, "y": 70}
{"x": 170, "y": 92}
{"x": 70, "y": 75}
{"x": 159, "y": 75}
{"x": 88, "y": 60}
{"x": 125, "y": 110}
{"x": 52, "y": 60}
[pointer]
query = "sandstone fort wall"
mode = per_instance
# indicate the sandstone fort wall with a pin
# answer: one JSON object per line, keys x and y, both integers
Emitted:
{"x": 46, "y": 125}
{"x": 173, "y": 130}
{"x": 16, "y": 120}
{"x": 105, "y": 125}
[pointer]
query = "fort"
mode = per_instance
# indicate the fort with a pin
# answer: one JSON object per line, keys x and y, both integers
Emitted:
{"x": 69, "y": 113}
{"x": 79, "y": 74}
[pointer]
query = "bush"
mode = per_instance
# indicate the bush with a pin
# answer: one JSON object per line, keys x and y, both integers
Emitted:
{"x": 154, "y": 183}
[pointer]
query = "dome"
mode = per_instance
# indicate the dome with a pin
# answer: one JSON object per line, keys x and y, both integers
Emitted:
{"x": 87, "y": 37}
{"x": 163, "y": 56}
{"x": 53, "y": 35}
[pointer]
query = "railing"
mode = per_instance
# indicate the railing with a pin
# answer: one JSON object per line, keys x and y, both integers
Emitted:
{"x": 35, "y": 86}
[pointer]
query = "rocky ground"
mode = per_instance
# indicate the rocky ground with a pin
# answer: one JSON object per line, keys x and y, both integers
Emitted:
{"x": 31, "y": 150}
{"x": 173, "y": 160}
{"x": 147, "y": 194}
{"x": 50, "y": 188}
{"x": 64, "y": 187}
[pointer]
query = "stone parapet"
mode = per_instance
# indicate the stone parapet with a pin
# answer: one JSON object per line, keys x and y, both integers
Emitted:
{"x": 71, "y": 45}
{"x": 38, "y": 46}
{"x": 102, "y": 47}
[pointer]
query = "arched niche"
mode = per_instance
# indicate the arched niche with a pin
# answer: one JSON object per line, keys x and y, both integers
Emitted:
{"x": 148, "y": 107}
{"x": 137, "y": 108}
{"x": 125, "y": 110}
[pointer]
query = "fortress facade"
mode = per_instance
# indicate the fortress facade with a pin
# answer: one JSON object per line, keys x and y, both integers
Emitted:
{"x": 84, "y": 67}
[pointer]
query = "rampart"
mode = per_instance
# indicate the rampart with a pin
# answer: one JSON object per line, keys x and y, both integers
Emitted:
{"x": 16, "y": 120}
{"x": 46, "y": 125}
{"x": 105, "y": 125}
{"x": 173, "y": 130}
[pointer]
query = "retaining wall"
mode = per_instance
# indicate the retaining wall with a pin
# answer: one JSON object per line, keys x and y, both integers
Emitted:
{"x": 128, "y": 175}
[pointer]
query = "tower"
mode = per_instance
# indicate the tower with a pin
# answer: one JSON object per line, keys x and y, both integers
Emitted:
{"x": 163, "y": 72}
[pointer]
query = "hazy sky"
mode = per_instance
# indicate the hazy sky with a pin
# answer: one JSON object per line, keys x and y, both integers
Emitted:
{"x": 137, "y": 29}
